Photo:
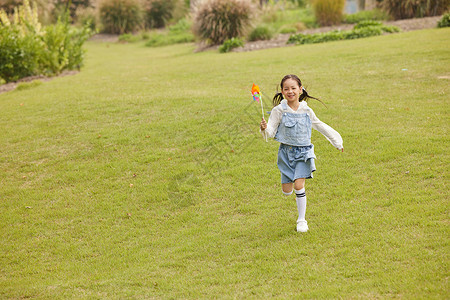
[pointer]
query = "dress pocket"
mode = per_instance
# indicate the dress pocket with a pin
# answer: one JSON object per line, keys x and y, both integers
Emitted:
{"x": 293, "y": 126}
{"x": 290, "y": 122}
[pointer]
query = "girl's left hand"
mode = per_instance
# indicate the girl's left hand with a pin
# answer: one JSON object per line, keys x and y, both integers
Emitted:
{"x": 263, "y": 125}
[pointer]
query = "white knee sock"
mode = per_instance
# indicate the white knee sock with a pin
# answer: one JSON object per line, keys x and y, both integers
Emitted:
{"x": 301, "y": 203}
{"x": 286, "y": 194}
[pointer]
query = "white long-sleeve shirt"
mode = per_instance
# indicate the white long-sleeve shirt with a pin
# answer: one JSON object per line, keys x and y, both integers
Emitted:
{"x": 277, "y": 112}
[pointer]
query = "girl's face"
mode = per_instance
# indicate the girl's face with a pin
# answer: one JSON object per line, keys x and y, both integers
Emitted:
{"x": 291, "y": 90}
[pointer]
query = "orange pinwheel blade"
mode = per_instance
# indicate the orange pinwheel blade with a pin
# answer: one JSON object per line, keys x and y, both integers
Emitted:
{"x": 255, "y": 88}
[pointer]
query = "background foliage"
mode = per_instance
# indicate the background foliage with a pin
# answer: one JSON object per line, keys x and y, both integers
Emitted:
{"x": 158, "y": 12}
{"x": 415, "y": 8}
{"x": 328, "y": 12}
{"x": 50, "y": 10}
{"x": 219, "y": 20}
{"x": 27, "y": 48}
{"x": 120, "y": 16}
{"x": 445, "y": 21}
{"x": 19, "y": 55}
{"x": 361, "y": 30}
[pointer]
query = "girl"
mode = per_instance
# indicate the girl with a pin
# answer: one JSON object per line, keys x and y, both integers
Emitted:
{"x": 290, "y": 123}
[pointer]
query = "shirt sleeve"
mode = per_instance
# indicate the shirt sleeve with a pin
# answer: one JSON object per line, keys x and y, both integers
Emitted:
{"x": 331, "y": 135}
{"x": 274, "y": 121}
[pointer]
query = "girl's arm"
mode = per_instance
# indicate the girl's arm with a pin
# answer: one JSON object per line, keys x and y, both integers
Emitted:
{"x": 272, "y": 124}
{"x": 332, "y": 135}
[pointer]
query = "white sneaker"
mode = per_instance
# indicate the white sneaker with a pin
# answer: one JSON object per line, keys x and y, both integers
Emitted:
{"x": 302, "y": 226}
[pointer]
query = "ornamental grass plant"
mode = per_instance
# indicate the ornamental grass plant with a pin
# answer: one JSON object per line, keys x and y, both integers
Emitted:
{"x": 120, "y": 16}
{"x": 328, "y": 12}
{"x": 407, "y": 9}
{"x": 230, "y": 44}
{"x": 218, "y": 20}
{"x": 364, "y": 15}
{"x": 158, "y": 12}
{"x": 261, "y": 32}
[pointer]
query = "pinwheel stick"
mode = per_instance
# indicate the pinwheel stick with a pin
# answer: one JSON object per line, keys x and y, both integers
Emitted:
{"x": 262, "y": 112}
{"x": 260, "y": 101}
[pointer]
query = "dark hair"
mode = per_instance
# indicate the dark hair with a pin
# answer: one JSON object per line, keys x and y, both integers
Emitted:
{"x": 303, "y": 97}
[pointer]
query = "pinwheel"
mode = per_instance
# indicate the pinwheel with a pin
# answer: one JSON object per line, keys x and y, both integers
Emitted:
{"x": 257, "y": 96}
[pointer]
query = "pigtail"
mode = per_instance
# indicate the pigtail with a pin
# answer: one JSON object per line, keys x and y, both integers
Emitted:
{"x": 277, "y": 99}
{"x": 305, "y": 96}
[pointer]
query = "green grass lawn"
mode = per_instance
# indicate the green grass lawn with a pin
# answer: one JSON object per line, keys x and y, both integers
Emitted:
{"x": 145, "y": 176}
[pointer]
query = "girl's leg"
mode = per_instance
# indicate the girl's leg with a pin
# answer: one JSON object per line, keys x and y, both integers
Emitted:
{"x": 299, "y": 185}
{"x": 287, "y": 188}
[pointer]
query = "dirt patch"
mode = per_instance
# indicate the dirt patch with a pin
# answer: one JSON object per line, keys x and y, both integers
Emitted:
{"x": 105, "y": 37}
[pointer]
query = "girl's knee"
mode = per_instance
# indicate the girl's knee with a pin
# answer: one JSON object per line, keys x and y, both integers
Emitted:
{"x": 299, "y": 183}
{"x": 287, "y": 193}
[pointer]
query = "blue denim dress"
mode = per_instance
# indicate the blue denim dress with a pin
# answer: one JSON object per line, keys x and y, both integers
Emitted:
{"x": 296, "y": 153}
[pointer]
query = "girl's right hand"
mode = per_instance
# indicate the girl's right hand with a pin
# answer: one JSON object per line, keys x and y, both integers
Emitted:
{"x": 263, "y": 125}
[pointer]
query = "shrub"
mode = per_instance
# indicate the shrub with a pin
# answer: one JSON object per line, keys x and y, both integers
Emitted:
{"x": 230, "y": 44}
{"x": 219, "y": 20}
{"x": 288, "y": 29}
{"x": 445, "y": 21}
{"x": 63, "y": 47}
{"x": 182, "y": 25}
{"x": 145, "y": 35}
{"x": 361, "y": 30}
{"x": 158, "y": 12}
{"x": 19, "y": 55}
{"x": 261, "y": 32}
{"x": 407, "y": 9}
{"x": 328, "y": 12}
{"x": 300, "y": 26}
{"x": 120, "y": 16}
{"x": 390, "y": 29}
{"x": 20, "y": 44}
{"x": 26, "y": 49}
{"x": 367, "y": 23}
{"x": 365, "y": 15}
